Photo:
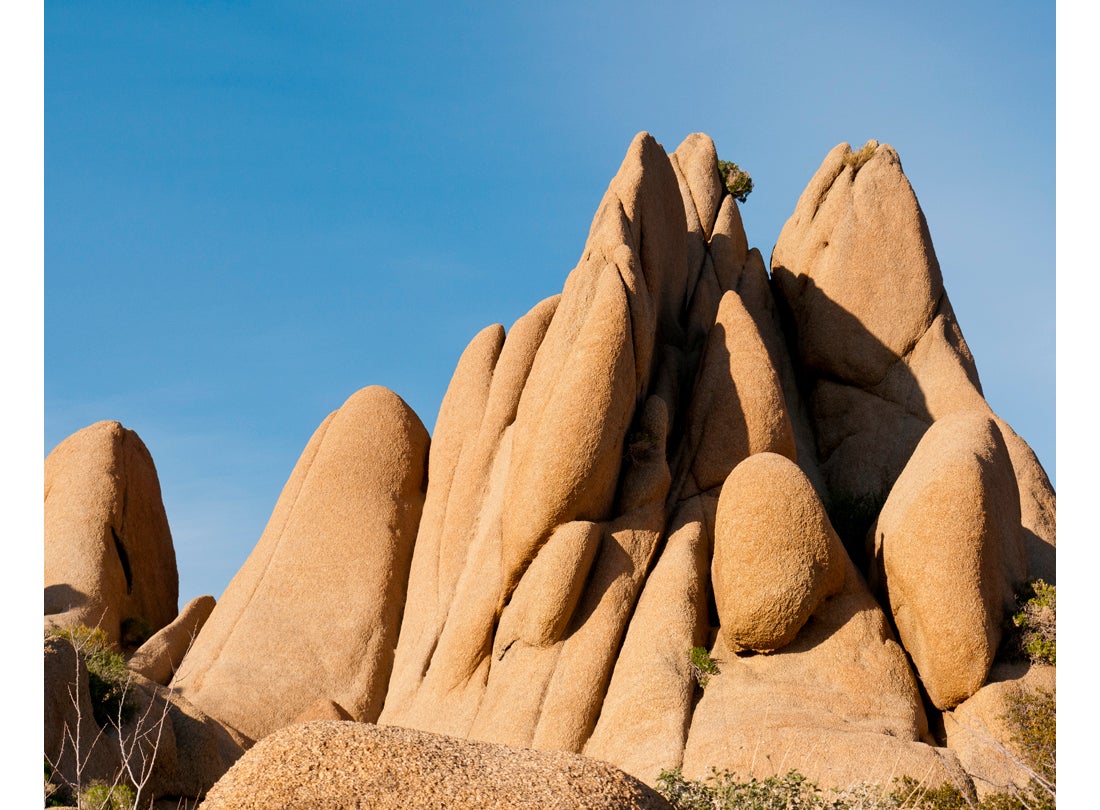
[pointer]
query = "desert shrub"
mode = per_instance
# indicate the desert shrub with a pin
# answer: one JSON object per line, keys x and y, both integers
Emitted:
{"x": 737, "y": 181}
{"x": 702, "y": 666}
{"x": 722, "y": 790}
{"x": 1031, "y": 715}
{"x": 101, "y": 796}
{"x": 108, "y": 675}
{"x": 1035, "y": 623}
{"x": 909, "y": 793}
{"x": 856, "y": 159}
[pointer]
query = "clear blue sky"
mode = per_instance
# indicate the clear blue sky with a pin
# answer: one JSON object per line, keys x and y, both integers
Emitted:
{"x": 252, "y": 210}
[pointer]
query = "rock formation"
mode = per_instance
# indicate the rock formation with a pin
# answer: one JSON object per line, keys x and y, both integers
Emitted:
{"x": 313, "y": 612}
{"x": 330, "y": 765}
{"x": 108, "y": 549}
{"x": 797, "y": 473}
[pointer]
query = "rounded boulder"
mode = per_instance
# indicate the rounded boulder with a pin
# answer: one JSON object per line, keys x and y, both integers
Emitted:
{"x": 776, "y": 556}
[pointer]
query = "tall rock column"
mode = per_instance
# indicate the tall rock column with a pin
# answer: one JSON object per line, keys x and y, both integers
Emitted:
{"x": 109, "y": 557}
{"x": 311, "y": 619}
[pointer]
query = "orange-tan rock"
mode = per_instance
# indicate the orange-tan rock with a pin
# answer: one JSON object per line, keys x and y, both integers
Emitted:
{"x": 331, "y": 765}
{"x": 159, "y": 657}
{"x": 678, "y": 451}
{"x": 314, "y": 612}
{"x": 776, "y": 556}
{"x": 949, "y": 553}
{"x": 980, "y": 734}
{"x": 109, "y": 558}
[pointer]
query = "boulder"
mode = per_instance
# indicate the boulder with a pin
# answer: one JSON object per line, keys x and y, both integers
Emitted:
{"x": 878, "y": 347}
{"x": 156, "y": 740}
{"x": 839, "y": 703}
{"x": 159, "y": 657}
{"x": 980, "y": 733}
{"x": 329, "y": 764}
{"x": 949, "y": 554}
{"x": 776, "y": 556}
{"x": 314, "y": 612}
{"x": 109, "y": 559}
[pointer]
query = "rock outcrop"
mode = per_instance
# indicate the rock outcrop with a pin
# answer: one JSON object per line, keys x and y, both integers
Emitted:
{"x": 313, "y": 613}
{"x": 798, "y": 474}
{"x": 327, "y": 765}
{"x": 949, "y": 553}
{"x": 159, "y": 657}
{"x": 108, "y": 550}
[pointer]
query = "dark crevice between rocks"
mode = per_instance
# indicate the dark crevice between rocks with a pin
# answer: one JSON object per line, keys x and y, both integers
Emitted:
{"x": 124, "y": 559}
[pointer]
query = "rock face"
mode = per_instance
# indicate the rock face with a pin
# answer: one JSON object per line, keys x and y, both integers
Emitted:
{"x": 167, "y": 745}
{"x": 314, "y": 611}
{"x": 949, "y": 553}
{"x": 108, "y": 549}
{"x": 877, "y": 346}
{"x": 977, "y": 730}
{"x": 159, "y": 657}
{"x": 797, "y": 473}
{"x": 776, "y": 556}
{"x": 330, "y": 765}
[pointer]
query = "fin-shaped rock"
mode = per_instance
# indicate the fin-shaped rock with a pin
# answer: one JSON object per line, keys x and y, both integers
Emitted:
{"x": 949, "y": 553}
{"x": 109, "y": 557}
{"x": 314, "y": 611}
{"x": 159, "y": 657}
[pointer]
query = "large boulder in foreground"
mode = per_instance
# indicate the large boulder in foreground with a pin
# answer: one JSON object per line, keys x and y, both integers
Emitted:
{"x": 314, "y": 612}
{"x": 949, "y": 553}
{"x": 109, "y": 559}
{"x": 331, "y": 765}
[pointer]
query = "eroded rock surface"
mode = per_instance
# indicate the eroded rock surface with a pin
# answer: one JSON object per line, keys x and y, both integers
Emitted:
{"x": 677, "y": 451}
{"x": 108, "y": 550}
{"x": 314, "y": 611}
{"x": 333, "y": 765}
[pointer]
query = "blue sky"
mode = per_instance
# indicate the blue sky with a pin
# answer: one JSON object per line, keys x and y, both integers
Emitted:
{"x": 252, "y": 210}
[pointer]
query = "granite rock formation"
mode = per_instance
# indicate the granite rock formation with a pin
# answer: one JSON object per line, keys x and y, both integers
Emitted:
{"x": 327, "y": 765}
{"x": 680, "y": 450}
{"x": 109, "y": 557}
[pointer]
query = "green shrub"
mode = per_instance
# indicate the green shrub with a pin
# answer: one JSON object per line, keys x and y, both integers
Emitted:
{"x": 101, "y": 796}
{"x": 856, "y": 159}
{"x": 909, "y": 793}
{"x": 1035, "y": 622}
{"x": 737, "y": 181}
{"x": 108, "y": 675}
{"x": 721, "y": 790}
{"x": 1032, "y": 717}
{"x": 702, "y": 665}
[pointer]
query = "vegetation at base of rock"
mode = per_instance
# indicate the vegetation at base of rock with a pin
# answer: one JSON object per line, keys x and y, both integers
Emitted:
{"x": 101, "y": 796}
{"x": 737, "y": 181}
{"x": 1035, "y": 623}
{"x": 108, "y": 675}
{"x": 722, "y": 790}
{"x": 856, "y": 159}
{"x": 1032, "y": 716}
{"x": 51, "y": 791}
{"x": 702, "y": 665}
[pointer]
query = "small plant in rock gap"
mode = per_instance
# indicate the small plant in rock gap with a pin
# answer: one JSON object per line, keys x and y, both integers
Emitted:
{"x": 737, "y": 181}
{"x": 1035, "y": 623}
{"x": 702, "y": 666}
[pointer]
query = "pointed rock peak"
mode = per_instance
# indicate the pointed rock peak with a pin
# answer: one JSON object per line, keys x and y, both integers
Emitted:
{"x": 698, "y": 162}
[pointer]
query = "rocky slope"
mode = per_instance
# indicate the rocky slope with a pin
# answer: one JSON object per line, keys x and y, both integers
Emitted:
{"x": 796, "y": 471}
